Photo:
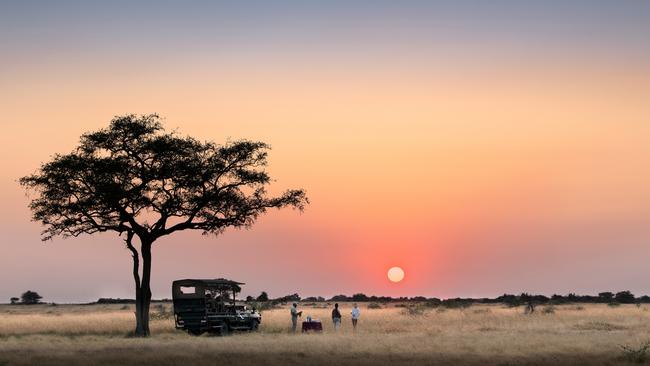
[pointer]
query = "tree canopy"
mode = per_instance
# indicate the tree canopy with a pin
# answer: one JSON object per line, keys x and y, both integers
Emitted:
{"x": 30, "y": 297}
{"x": 132, "y": 177}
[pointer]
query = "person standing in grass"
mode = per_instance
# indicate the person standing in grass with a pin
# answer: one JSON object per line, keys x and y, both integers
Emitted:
{"x": 294, "y": 316}
{"x": 356, "y": 313}
{"x": 336, "y": 317}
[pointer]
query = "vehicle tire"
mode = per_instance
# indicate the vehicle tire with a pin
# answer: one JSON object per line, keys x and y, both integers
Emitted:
{"x": 254, "y": 325}
{"x": 224, "y": 330}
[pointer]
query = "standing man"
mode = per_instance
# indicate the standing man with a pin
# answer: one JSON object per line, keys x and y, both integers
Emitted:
{"x": 355, "y": 316}
{"x": 336, "y": 317}
{"x": 294, "y": 316}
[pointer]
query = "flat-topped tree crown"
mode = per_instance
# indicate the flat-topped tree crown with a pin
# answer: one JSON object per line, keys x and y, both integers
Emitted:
{"x": 135, "y": 178}
{"x": 132, "y": 176}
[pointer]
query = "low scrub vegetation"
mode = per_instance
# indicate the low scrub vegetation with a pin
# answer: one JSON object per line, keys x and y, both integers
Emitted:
{"x": 636, "y": 354}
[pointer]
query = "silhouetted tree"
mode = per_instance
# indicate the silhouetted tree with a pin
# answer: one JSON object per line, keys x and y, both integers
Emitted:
{"x": 288, "y": 298}
{"x": 605, "y": 296}
{"x": 509, "y": 300}
{"x": 30, "y": 298}
{"x": 359, "y": 297}
{"x": 571, "y": 297}
{"x": 624, "y": 297}
{"x": 134, "y": 179}
{"x": 14, "y": 300}
{"x": 339, "y": 298}
{"x": 644, "y": 299}
{"x": 263, "y": 296}
{"x": 314, "y": 299}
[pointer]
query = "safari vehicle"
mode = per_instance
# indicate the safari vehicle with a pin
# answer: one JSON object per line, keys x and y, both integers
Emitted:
{"x": 210, "y": 306}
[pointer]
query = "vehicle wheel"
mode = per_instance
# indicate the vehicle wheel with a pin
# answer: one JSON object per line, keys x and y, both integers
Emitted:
{"x": 254, "y": 325}
{"x": 224, "y": 330}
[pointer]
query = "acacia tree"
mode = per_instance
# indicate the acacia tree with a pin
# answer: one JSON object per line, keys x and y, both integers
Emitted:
{"x": 30, "y": 298}
{"x": 134, "y": 179}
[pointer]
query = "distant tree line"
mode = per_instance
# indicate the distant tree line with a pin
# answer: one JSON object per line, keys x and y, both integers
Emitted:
{"x": 110, "y": 300}
{"x": 621, "y": 297}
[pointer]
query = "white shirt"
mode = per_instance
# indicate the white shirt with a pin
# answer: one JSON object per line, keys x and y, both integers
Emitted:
{"x": 355, "y": 313}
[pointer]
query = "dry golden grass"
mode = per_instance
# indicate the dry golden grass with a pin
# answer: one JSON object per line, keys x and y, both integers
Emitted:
{"x": 97, "y": 334}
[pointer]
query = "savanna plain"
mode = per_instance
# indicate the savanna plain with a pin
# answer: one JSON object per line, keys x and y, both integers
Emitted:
{"x": 570, "y": 334}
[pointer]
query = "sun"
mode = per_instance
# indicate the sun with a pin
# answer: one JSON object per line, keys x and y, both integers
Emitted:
{"x": 395, "y": 274}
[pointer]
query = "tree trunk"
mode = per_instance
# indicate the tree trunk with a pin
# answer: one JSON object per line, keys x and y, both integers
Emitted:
{"x": 145, "y": 288}
{"x": 142, "y": 302}
{"x": 142, "y": 288}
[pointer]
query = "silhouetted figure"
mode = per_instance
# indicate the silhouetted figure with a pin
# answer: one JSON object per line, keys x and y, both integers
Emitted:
{"x": 356, "y": 313}
{"x": 336, "y": 317}
{"x": 294, "y": 317}
{"x": 530, "y": 307}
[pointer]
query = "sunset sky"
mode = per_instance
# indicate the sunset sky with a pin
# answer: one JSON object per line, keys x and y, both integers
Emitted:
{"x": 483, "y": 146}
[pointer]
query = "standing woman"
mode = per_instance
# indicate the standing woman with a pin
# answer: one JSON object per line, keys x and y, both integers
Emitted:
{"x": 336, "y": 317}
{"x": 355, "y": 316}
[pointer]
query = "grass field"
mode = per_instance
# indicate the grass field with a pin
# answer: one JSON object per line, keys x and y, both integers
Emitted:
{"x": 477, "y": 335}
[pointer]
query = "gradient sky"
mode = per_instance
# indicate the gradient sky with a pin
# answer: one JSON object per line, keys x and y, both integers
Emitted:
{"x": 484, "y": 146}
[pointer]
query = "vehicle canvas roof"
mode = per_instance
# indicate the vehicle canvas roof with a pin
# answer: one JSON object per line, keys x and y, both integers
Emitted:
{"x": 209, "y": 282}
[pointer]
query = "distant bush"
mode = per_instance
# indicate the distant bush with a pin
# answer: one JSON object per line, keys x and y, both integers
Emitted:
{"x": 360, "y": 297}
{"x": 339, "y": 298}
{"x": 614, "y": 304}
{"x": 288, "y": 298}
{"x": 161, "y": 313}
{"x": 550, "y": 309}
{"x": 109, "y": 300}
{"x": 14, "y": 300}
{"x": 509, "y": 300}
{"x": 263, "y": 305}
{"x": 263, "y": 297}
{"x": 374, "y": 305}
{"x": 414, "y": 310}
{"x": 314, "y": 299}
{"x": 605, "y": 296}
{"x": 456, "y": 303}
{"x": 432, "y": 303}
